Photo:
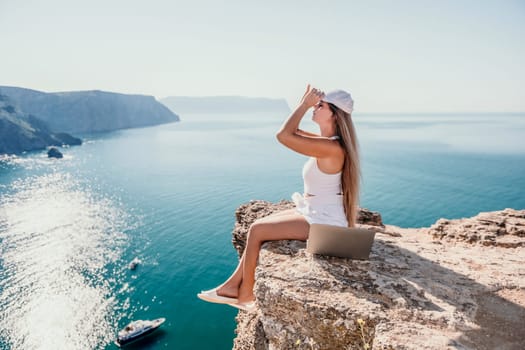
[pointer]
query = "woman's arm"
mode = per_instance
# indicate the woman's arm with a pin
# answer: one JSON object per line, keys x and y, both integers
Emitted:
{"x": 306, "y": 133}
{"x": 309, "y": 145}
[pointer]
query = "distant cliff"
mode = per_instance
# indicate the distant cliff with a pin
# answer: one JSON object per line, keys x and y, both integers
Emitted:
{"x": 459, "y": 284}
{"x": 90, "y": 111}
{"x": 225, "y": 104}
{"x": 21, "y": 132}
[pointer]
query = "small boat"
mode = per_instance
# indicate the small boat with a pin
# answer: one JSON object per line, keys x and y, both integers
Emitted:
{"x": 133, "y": 264}
{"x": 136, "y": 330}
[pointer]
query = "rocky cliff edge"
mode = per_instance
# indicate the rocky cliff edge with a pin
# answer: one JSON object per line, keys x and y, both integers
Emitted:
{"x": 459, "y": 284}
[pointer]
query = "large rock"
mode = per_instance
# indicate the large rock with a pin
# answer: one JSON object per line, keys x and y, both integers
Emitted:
{"x": 419, "y": 290}
{"x": 503, "y": 228}
{"x": 53, "y": 152}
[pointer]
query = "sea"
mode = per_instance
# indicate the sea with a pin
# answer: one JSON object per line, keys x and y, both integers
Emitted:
{"x": 167, "y": 196}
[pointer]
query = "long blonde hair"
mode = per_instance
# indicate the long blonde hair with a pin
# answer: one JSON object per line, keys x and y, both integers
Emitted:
{"x": 351, "y": 176}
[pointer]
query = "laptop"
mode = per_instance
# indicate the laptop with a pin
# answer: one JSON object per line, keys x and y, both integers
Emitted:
{"x": 344, "y": 242}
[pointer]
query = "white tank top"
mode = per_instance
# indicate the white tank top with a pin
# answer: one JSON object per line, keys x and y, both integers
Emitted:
{"x": 318, "y": 183}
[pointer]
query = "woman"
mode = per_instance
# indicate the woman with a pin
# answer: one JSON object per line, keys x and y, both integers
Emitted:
{"x": 331, "y": 188}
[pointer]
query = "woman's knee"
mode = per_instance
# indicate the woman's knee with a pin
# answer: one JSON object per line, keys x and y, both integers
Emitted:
{"x": 254, "y": 232}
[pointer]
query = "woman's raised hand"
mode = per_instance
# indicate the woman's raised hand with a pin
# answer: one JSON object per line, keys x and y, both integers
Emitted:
{"x": 312, "y": 96}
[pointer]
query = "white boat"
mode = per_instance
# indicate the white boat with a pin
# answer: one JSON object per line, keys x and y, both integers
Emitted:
{"x": 136, "y": 330}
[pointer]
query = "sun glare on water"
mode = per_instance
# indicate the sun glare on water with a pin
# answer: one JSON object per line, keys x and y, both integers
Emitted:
{"x": 56, "y": 241}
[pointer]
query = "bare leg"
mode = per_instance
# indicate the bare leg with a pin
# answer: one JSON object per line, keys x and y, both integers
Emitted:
{"x": 291, "y": 226}
{"x": 230, "y": 288}
{"x": 279, "y": 213}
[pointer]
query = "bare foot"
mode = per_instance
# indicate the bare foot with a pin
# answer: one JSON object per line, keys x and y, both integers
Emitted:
{"x": 228, "y": 291}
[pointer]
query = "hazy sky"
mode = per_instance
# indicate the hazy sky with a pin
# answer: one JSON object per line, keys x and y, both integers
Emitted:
{"x": 393, "y": 56}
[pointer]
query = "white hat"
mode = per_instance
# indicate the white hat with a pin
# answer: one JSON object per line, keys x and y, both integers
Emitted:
{"x": 341, "y": 99}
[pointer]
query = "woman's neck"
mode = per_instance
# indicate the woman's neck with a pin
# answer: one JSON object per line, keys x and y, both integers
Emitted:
{"x": 327, "y": 131}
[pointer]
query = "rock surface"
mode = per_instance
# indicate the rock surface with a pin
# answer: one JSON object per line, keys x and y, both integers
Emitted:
{"x": 456, "y": 285}
{"x": 503, "y": 229}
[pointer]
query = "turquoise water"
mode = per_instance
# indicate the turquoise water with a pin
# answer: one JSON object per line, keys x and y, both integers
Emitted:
{"x": 168, "y": 195}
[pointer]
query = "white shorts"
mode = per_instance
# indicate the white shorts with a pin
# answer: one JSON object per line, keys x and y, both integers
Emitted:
{"x": 327, "y": 210}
